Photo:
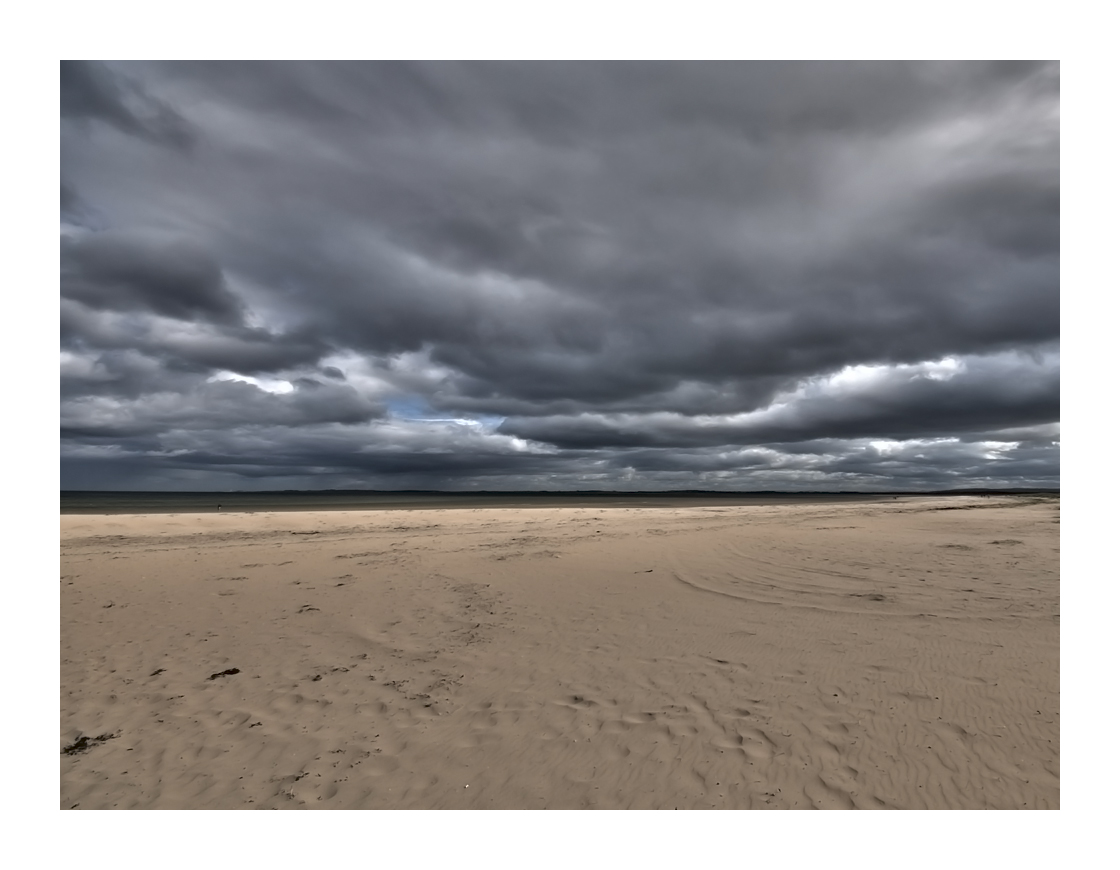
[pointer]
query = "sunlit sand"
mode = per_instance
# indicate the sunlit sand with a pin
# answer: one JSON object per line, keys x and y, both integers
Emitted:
{"x": 871, "y": 655}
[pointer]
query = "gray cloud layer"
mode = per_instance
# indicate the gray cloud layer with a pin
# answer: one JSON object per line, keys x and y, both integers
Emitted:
{"x": 560, "y": 275}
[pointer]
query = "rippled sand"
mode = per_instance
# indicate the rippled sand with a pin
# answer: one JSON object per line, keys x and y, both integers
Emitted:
{"x": 899, "y": 654}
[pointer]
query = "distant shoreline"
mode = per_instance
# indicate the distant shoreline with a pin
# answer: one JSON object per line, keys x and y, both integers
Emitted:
{"x": 81, "y": 502}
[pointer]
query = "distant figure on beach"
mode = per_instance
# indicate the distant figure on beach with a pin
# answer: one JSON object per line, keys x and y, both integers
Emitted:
{"x": 219, "y": 507}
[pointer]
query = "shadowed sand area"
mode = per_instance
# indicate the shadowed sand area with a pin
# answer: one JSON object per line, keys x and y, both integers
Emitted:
{"x": 894, "y": 654}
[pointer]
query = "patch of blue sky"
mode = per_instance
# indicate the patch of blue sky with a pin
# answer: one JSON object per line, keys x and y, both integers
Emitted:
{"x": 416, "y": 409}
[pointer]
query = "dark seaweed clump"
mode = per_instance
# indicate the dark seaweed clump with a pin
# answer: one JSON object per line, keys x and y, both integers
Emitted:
{"x": 83, "y": 743}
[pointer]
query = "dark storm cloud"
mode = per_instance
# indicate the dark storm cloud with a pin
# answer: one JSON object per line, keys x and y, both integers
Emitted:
{"x": 216, "y": 405}
{"x": 69, "y": 203}
{"x": 672, "y": 257}
{"x": 392, "y": 454}
{"x": 125, "y": 271}
{"x": 91, "y": 91}
{"x": 543, "y": 267}
{"x": 240, "y": 349}
{"x": 75, "y": 211}
{"x": 899, "y": 403}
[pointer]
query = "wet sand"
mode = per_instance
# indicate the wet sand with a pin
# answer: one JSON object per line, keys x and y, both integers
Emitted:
{"x": 893, "y": 654}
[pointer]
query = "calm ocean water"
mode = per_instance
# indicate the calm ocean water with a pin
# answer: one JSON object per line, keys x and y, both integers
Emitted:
{"x": 211, "y": 502}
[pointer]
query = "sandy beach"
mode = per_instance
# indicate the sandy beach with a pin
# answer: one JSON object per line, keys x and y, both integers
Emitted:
{"x": 894, "y": 654}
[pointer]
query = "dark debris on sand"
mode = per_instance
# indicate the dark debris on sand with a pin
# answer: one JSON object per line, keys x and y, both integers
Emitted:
{"x": 83, "y": 743}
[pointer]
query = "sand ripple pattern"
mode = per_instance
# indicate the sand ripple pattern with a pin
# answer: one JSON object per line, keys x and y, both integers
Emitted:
{"x": 868, "y": 656}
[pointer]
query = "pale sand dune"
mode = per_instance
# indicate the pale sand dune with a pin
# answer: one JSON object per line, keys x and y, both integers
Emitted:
{"x": 897, "y": 654}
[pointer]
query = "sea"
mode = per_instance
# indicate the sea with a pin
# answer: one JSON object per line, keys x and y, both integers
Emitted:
{"x": 85, "y": 502}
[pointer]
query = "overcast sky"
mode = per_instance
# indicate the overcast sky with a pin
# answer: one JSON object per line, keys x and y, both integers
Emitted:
{"x": 733, "y": 276}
